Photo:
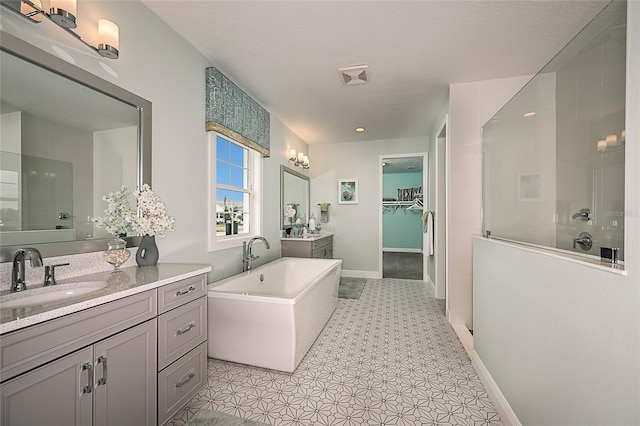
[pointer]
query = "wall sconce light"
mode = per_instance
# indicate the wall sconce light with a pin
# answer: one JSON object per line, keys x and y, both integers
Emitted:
{"x": 63, "y": 13}
{"x": 602, "y": 146}
{"x": 299, "y": 159}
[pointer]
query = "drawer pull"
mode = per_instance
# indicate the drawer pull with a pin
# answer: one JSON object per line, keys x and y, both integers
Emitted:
{"x": 87, "y": 366}
{"x": 189, "y": 290}
{"x": 184, "y": 330}
{"x": 184, "y": 381}
{"x": 103, "y": 380}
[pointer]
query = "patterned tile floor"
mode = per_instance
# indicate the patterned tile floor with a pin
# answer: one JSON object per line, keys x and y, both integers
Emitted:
{"x": 389, "y": 358}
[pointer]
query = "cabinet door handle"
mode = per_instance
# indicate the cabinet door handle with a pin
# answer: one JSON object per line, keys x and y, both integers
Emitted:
{"x": 185, "y": 379}
{"x": 185, "y": 329}
{"x": 103, "y": 380}
{"x": 183, "y": 292}
{"x": 87, "y": 366}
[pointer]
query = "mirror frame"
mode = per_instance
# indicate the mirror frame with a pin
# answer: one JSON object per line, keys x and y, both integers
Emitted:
{"x": 38, "y": 57}
{"x": 286, "y": 169}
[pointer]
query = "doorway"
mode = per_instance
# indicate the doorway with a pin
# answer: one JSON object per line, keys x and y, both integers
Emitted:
{"x": 403, "y": 194}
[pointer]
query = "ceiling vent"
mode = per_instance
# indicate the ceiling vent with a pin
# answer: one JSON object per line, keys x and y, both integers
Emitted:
{"x": 358, "y": 74}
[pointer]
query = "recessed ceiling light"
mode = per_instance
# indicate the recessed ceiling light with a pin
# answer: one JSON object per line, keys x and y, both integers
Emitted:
{"x": 529, "y": 114}
{"x": 359, "y": 129}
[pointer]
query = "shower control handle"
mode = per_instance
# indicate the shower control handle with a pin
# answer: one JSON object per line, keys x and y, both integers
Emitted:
{"x": 584, "y": 240}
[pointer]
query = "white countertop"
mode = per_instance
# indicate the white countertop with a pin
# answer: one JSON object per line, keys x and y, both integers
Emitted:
{"x": 128, "y": 281}
{"x": 308, "y": 237}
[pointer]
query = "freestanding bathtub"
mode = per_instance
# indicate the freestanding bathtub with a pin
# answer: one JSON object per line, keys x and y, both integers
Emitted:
{"x": 269, "y": 317}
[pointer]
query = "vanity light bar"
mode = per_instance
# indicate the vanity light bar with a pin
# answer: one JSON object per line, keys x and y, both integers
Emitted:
{"x": 299, "y": 159}
{"x": 63, "y": 14}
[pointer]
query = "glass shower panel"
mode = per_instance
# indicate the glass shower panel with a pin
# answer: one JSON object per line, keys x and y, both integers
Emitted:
{"x": 554, "y": 154}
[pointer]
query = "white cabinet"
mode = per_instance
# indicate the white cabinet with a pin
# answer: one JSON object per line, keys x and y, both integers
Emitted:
{"x": 109, "y": 383}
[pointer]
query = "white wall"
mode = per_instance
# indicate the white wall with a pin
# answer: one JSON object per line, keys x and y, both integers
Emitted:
{"x": 471, "y": 105}
{"x": 436, "y": 201}
{"x": 11, "y": 142}
{"x": 515, "y": 149}
{"x": 11, "y": 132}
{"x": 560, "y": 339}
{"x": 156, "y": 64}
{"x": 114, "y": 165}
{"x": 357, "y": 227}
{"x": 48, "y": 139}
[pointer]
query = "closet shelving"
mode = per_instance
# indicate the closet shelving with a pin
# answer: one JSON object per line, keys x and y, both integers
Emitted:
{"x": 415, "y": 204}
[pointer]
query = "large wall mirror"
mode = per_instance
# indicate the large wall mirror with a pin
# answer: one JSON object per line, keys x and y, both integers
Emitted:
{"x": 67, "y": 138}
{"x": 294, "y": 190}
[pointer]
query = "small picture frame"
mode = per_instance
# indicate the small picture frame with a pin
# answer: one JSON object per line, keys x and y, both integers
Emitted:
{"x": 347, "y": 191}
{"x": 529, "y": 187}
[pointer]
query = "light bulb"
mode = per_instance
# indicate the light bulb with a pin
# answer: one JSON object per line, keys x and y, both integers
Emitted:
{"x": 108, "y": 39}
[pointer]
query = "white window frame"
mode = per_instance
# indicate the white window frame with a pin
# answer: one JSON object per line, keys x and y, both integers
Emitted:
{"x": 224, "y": 242}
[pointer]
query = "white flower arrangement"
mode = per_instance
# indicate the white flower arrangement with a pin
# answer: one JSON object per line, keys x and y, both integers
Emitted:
{"x": 154, "y": 219}
{"x": 117, "y": 221}
{"x": 291, "y": 212}
{"x": 121, "y": 219}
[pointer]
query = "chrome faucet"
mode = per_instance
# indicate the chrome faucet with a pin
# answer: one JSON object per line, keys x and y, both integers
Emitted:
{"x": 584, "y": 215}
{"x": 584, "y": 240}
{"x": 18, "y": 282}
{"x": 247, "y": 256}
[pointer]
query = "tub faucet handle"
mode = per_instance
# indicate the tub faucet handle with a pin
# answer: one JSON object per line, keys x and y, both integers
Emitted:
{"x": 584, "y": 240}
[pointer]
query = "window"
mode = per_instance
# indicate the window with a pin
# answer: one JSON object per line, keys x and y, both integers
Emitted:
{"x": 234, "y": 201}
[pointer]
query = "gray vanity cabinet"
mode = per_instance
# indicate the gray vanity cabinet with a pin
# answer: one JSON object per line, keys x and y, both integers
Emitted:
{"x": 111, "y": 382}
{"x": 321, "y": 248}
{"x": 132, "y": 361}
{"x": 125, "y": 377}
{"x": 54, "y": 394}
{"x": 182, "y": 348}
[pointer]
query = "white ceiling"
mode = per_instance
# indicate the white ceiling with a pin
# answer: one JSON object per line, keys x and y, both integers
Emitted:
{"x": 286, "y": 54}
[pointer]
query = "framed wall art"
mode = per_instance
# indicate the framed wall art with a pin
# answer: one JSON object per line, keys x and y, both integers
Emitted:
{"x": 347, "y": 191}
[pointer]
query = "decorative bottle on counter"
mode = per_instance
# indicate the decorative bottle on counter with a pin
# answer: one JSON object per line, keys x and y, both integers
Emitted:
{"x": 312, "y": 222}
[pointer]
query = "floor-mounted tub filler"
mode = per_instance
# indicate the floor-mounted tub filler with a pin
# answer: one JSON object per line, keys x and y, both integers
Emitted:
{"x": 269, "y": 317}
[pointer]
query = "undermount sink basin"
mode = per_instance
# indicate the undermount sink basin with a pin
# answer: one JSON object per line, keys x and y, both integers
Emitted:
{"x": 55, "y": 293}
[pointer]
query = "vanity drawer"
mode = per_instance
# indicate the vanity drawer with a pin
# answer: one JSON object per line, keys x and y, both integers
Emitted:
{"x": 180, "y": 381}
{"x": 33, "y": 346}
{"x": 180, "y": 330}
{"x": 322, "y": 243}
{"x": 176, "y": 294}
{"x": 323, "y": 248}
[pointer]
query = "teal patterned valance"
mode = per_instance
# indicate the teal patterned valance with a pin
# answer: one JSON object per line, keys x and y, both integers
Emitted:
{"x": 233, "y": 113}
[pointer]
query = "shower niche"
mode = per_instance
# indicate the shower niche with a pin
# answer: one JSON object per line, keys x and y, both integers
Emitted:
{"x": 553, "y": 156}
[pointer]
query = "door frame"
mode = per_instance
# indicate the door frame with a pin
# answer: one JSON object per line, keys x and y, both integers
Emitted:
{"x": 425, "y": 194}
{"x": 442, "y": 202}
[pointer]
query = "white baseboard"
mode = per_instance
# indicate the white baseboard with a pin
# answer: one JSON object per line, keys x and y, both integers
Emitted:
{"x": 507, "y": 415}
{"x": 465, "y": 337}
{"x": 401, "y": 250}
{"x": 361, "y": 274}
{"x": 431, "y": 284}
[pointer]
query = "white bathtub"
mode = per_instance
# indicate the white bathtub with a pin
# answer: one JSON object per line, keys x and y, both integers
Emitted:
{"x": 271, "y": 316}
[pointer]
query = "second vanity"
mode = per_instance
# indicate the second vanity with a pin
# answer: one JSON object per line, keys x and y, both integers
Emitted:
{"x": 318, "y": 246}
{"x": 133, "y": 352}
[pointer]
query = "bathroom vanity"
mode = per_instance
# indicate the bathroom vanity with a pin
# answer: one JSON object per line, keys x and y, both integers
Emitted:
{"x": 318, "y": 246}
{"x": 132, "y": 352}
